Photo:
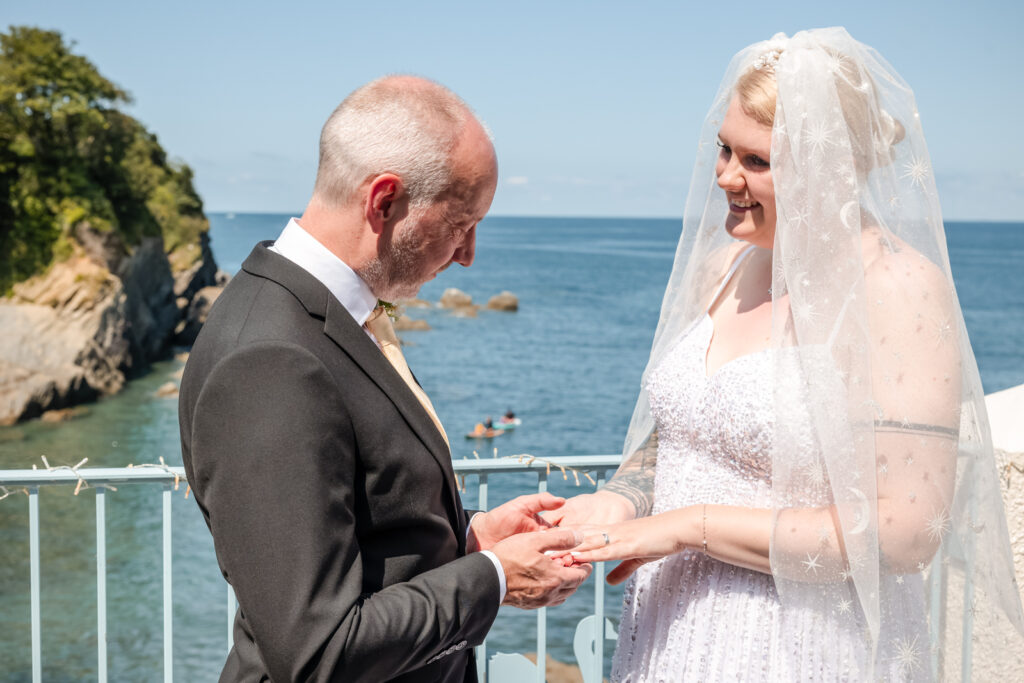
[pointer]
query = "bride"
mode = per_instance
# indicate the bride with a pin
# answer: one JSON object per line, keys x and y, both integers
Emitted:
{"x": 811, "y": 428}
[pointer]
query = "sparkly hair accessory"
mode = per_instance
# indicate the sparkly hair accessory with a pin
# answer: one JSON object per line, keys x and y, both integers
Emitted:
{"x": 768, "y": 60}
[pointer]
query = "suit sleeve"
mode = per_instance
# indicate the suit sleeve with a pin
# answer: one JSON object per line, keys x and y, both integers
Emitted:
{"x": 274, "y": 460}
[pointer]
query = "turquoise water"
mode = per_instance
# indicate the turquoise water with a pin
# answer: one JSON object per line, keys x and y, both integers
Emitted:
{"x": 568, "y": 363}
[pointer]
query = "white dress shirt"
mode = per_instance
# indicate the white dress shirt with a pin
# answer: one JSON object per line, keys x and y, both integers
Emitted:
{"x": 302, "y": 249}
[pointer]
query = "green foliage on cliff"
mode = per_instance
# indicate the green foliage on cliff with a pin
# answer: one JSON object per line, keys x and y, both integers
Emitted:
{"x": 68, "y": 156}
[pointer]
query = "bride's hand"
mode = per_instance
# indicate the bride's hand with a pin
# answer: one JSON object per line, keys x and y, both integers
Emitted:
{"x": 640, "y": 541}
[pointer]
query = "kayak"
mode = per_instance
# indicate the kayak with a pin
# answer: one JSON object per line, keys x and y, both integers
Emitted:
{"x": 485, "y": 434}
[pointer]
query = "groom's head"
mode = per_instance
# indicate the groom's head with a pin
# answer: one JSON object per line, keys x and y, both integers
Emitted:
{"x": 406, "y": 172}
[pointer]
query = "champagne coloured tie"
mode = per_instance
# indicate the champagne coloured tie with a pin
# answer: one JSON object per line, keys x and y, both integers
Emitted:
{"x": 379, "y": 324}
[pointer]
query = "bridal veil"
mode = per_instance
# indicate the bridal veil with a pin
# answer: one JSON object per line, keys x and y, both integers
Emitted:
{"x": 871, "y": 338}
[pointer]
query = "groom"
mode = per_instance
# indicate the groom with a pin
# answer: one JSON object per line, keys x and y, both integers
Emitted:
{"x": 317, "y": 460}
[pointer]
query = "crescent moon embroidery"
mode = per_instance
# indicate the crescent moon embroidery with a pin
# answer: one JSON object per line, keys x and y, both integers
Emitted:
{"x": 863, "y": 514}
{"x": 844, "y": 215}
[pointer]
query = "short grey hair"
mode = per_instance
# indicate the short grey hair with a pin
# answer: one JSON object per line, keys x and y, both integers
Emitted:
{"x": 397, "y": 124}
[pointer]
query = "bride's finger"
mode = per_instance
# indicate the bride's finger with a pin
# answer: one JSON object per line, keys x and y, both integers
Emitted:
{"x": 624, "y": 570}
{"x": 593, "y": 539}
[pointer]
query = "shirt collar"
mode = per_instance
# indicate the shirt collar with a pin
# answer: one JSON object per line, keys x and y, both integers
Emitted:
{"x": 302, "y": 249}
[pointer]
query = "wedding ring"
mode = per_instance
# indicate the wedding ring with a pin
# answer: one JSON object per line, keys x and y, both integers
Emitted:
{"x": 606, "y": 539}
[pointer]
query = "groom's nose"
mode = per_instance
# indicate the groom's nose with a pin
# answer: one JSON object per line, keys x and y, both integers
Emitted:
{"x": 464, "y": 252}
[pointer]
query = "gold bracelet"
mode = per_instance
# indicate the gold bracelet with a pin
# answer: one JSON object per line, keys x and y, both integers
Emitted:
{"x": 704, "y": 530}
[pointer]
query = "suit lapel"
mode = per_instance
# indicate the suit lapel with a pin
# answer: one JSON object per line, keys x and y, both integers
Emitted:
{"x": 353, "y": 340}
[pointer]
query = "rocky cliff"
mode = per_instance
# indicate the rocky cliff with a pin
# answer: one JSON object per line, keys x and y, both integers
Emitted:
{"x": 93, "y": 321}
{"x": 103, "y": 241}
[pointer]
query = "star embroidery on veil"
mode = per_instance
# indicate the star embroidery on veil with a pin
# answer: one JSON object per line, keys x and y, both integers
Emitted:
{"x": 801, "y": 216}
{"x": 938, "y": 525}
{"x": 908, "y": 655}
{"x": 819, "y": 135}
{"x": 943, "y": 331}
{"x": 837, "y": 63}
{"x": 812, "y": 563}
{"x": 917, "y": 170}
{"x": 845, "y": 606}
{"x": 816, "y": 473}
{"x": 805, "y": 311}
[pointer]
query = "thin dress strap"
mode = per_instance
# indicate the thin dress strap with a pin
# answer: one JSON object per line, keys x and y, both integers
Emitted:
{"x": 728, "y": 277}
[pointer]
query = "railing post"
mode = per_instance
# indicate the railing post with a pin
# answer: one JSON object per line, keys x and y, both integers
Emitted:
{"x": 542, "y": 613}
{"x": 101, "y": 584}
{"x": 598, "y": 672}
{"x": 33, "y": 554}
{"x": 481, "y": 652}
{"x": 168, "y": 605}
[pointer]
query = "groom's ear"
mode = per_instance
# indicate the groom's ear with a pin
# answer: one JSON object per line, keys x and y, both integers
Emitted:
{"x": 386, "y": 202}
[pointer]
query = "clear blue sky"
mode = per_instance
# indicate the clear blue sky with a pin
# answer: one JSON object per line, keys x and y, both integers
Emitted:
{"x": 595, "y": 107}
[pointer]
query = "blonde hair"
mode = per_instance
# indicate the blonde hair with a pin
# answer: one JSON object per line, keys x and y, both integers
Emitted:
{"x": 758, "y": 91}
{"x": 873, "y": 131}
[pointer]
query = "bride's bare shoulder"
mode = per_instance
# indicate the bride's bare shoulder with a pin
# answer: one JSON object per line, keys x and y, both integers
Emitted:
{"x": 895, "y": 274}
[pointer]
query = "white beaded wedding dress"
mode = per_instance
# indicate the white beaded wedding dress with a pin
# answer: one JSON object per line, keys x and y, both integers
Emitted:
{"x": 691, "y": 617}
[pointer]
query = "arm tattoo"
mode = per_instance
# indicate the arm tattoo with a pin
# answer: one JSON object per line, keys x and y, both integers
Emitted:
{"x": 634, "y": 479}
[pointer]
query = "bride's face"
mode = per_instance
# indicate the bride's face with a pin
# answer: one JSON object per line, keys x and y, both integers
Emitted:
{"x": 744, "y": 173}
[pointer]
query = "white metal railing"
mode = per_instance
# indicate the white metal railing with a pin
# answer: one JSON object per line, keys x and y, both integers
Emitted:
{"x": 590, "y": 633}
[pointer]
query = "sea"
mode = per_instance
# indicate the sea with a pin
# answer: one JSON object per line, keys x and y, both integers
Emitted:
{"x": 568, "y": 363}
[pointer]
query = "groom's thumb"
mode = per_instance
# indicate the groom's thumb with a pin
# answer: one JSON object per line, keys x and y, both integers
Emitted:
{"x": 559, "y": 539}
{"x": 538, "y": 502}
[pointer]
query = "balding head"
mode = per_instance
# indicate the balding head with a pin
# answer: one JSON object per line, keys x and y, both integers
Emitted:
{"x": 403, "y": 125}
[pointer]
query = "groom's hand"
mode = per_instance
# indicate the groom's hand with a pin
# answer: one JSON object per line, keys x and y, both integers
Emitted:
{"x": 535, "y": 575}
{"x": 518, "y": 516}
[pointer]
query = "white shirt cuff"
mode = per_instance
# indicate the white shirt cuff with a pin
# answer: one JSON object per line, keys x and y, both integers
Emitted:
{"x": 502, "y": 586}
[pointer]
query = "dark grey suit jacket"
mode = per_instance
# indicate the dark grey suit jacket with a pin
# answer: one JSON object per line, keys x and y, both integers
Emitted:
{"x": 329, "y": 493}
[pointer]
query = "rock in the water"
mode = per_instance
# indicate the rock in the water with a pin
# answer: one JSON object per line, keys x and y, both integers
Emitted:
{"x": 413, "y": 303}
{"x": 64, "y": 414}
{"x": 167, "y": 389}
{"x": 405, "y": 323}
{"x": 455, "y": 298}
{"x": 506, "y": 301}
{"x": 465, "y": 311}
